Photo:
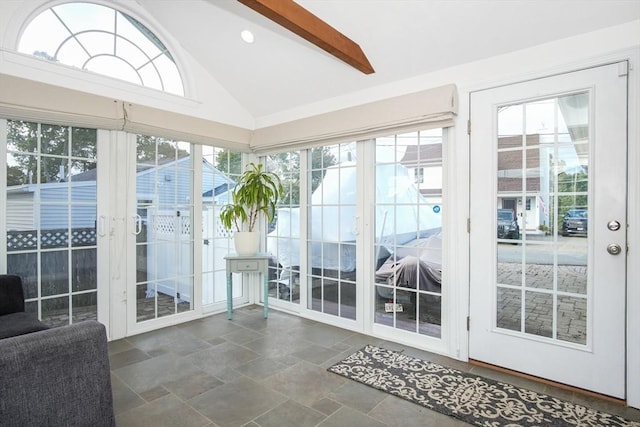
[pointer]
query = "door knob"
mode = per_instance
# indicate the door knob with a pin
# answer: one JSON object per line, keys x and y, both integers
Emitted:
{"x": 614, "y": 249}
{"x": 613, "y": 225}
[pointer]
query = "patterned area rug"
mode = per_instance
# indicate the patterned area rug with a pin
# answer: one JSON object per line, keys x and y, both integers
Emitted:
{"x": 470, "y": 398}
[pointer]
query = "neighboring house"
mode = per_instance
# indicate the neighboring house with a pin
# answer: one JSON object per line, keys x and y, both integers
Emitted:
{"x": 22, "y": 214}
{"x": 168, "y": 184}
{"x": 424, "y": 163}
{"x": 533, "y": 211}
{"x": 52, "y": 211}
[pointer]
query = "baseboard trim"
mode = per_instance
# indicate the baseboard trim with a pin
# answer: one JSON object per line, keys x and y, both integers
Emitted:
{"x": 548, "y": 382}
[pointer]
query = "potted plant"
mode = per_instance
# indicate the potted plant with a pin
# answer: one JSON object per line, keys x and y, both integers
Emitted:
{"x": 256, "y": 192}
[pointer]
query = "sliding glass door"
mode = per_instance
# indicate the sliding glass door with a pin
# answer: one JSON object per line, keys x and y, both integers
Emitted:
{"x": 163, "y": 228}
{"x": 332, "y": 230}
{"x": 408, "y": 232}
{"x": 220, "y": 171}
{"x": 51, "y": 218}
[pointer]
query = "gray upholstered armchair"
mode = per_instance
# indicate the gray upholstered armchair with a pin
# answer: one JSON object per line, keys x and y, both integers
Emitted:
{"x": 13, "y": 319}
{"x": 51, "y": 377}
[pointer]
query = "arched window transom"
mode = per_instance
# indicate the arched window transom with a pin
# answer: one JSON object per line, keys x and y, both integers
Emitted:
{"x": 103, "y": 40}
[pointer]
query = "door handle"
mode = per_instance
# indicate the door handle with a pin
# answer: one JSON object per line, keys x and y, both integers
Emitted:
{"x": 355, "y": 225}
{"x": 614, "y": 249}
{"x": 101, "y": 226}
{"x": 138, "y": 224}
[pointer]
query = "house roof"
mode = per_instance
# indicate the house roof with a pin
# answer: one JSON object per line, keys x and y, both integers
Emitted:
{"x": 221, "y": 182}
{"x": 422, "y": 155}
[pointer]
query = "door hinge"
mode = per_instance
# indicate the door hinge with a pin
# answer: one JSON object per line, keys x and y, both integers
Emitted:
{"x": 623, "y": 69}
{"x": 468, "y": 322}
{"x": 468, "y": 225}
{"x": 468, "y": 127}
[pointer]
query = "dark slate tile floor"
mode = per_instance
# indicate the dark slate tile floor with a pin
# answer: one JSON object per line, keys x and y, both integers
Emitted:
{"x": 268, "y": 373}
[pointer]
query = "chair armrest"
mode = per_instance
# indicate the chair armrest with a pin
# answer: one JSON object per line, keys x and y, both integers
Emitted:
{"x": 11, "y": 294}
{"x": 59, "y": 376}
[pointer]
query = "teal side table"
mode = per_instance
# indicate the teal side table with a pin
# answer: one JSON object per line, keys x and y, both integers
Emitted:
{"x": 258, "y": 263}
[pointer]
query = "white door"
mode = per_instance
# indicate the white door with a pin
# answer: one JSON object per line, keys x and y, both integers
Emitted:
{"x": 548, "y": 277}
{"x": 162, "y": 233}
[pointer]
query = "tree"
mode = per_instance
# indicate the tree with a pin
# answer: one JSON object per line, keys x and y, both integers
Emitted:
{"x": 15, "y": 176}
{"x": 150, "y": 148}
{"x": 572, "y": 192}
{"x": 229, "y": 162}
{"x": 287, "y": 166}
{"x": 321, "y": 159}
{"x": 63, "y": 150}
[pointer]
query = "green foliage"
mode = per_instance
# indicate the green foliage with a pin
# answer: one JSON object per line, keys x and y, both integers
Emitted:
{"x": 572, "y": 193}
{"x": 67, "y": 149}
{"x": 287, "y": 166}
{"x": 152, "y": 148}
{"x": 321, "y": 159}
{"x": 229, "y": 162}
{"x": 257, "y": 191}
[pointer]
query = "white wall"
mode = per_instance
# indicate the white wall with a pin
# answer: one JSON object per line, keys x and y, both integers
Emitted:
{"x": 204, "y": 97}
{"x": 519, "y": 65}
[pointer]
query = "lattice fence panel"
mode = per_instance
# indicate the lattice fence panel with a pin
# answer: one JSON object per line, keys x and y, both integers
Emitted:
{"x": 28, "y": 239}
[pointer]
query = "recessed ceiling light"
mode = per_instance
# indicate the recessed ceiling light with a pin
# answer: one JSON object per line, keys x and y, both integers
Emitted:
{"x": 247, "y": 36}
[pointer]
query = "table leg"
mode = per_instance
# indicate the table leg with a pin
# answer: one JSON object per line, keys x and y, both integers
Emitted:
{"x": 229, "y": 296}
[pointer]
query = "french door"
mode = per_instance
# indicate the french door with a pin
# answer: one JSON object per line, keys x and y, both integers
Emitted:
{"x": 51, "y": 222}
{"x": 162, "y": 228}
{"x": 548, "y": 221}
{"x": 333, "y": 232}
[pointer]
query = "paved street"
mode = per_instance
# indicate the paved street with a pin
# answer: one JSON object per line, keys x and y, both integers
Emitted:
{"x": 571, "y": 250}
{"x": 538, "y": 273}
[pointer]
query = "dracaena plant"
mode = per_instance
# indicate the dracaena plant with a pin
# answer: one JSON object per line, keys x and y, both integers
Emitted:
{"x": 257, "y": 191}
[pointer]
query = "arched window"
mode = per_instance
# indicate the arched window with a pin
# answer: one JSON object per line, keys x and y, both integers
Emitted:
{"x": 102, "y": 40}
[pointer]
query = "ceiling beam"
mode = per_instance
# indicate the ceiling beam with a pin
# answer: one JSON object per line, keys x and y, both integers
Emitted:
{"x": 305, "y": 24}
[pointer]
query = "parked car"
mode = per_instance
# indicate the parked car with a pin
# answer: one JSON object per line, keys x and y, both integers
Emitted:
{"x": 575, "y": 222}
{"x": 508, "y": 227}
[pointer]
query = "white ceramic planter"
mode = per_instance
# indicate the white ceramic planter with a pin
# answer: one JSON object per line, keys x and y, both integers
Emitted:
{"x": 247, "y": 243}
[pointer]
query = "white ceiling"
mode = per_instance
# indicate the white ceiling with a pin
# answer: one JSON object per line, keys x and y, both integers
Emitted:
{"x": 401, "y": 38}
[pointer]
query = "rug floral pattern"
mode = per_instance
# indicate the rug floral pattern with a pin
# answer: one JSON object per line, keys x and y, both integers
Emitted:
{"x": 470, "y": 398}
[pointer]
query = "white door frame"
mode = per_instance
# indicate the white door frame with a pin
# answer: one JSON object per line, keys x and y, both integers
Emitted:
{"x": 459, "y": 347}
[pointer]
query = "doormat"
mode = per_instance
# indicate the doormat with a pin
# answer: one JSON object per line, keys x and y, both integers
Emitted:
{"x": 470, "y": 398}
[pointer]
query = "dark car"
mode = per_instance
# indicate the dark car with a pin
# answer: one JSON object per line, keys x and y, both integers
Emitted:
{"x": 508, "y": 227}
{"x": 574, "y": 222}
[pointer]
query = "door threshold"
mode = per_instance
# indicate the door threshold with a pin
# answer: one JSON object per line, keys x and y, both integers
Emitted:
{"x": 548, "y": 382}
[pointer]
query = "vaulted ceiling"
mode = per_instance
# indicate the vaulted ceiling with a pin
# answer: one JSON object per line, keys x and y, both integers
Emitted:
{"x": 402, "y": 38}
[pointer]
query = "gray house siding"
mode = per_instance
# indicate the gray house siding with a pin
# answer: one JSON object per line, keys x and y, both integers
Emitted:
{"x": 173, "y": 182}
{"x": 20, "y": 212}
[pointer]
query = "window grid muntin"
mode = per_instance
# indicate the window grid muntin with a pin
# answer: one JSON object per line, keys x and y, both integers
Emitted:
{"x": 558, "y": 139}
{"x": 153, "y": 51}
{"x": 158, "y": 161}
{"x": 41, "y": 248}
{"x": 226, "y": 167}
{"x": 331, "y": 250}
{"x": 407, "y": 153}
{"x": 285, "y": 279}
